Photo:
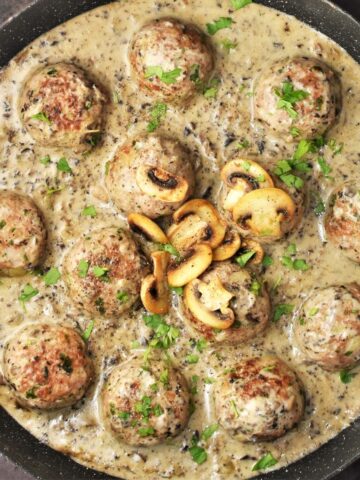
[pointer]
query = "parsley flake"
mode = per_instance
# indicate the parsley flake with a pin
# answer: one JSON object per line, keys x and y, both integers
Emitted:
{"x": 237, "y": 4}
{"x": 83, "y": 268}
{"x": 281, "y": 310}
{"x": 89, "y": 211}
{"x": 63, "y": 165}
{"x": 42, "y": 117}
{"x": 223, "y": 22}
{"x": 88, "y": 331}
{"x": 265, "y": 462}
{"x": 288, "y": 97}
{"x": 166, "y": 77}
{"x": 346, "y": 376}
{"x": 209, "y": 431}
{"x": 157, "y": 114}
{"x": 52, "y": 276}
{"x": 198, "y": 454}
{"x": 28, "y": 293}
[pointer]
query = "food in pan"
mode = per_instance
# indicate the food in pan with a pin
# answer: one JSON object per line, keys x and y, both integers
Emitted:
{"x": 179, "y": 239}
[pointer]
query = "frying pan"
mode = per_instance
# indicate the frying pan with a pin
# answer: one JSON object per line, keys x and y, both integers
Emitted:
{"x": 16, "y": 443}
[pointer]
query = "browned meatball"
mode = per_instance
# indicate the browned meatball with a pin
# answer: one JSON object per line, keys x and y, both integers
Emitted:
{"x": 152, "y": 175}
{"x": 47, "y": 366}
{"x": 303, "y": 93}
{"x": 343, "y": 220}
{"x": 328, "y": 327}
{"x": 226, "y": 304}
{"x": 170, "y": 59}
{"x": 61, "y": 107}
{"x": 103, "y": 272}
{"x": 22, "y": 233}
{"x": 145, "y": 406}
{"x": 260, "y": 399}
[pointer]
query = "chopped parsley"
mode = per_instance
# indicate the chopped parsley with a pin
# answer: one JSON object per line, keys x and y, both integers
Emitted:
{"x": 255, "y": 287}
{"x": 265, "y": 462}
{"x": 324, "y": 167}
{"x": 89, "y": 211}
{"x": 63, "y": 165}
{"x": 88, "y": 331}
{"x": 192, "y": 359}
{"x": 167, "y": 247}
{"x": 294, "y": 132}
{"x": 178, "y": 290}
{"x": 237, "y": 4}
{"x": 346, "y": 376}
{"x": 313, "y": 311}
{"x": 66, "y": 363}
{"x": 157, "y": 114}
{"x": 228, "y": 45}
{"x": 209, "y": 431}
{"x": 42, "y": 117}
{"x": 123, "y": 297}
{"x": 100, "y": 272}
{"x": 146, "y": 431}
{"x": 198, "y": 454}
{"x": 27, "y": 294}
{"x": 243, "y": 144}
{"x": 223, "y": 22}
{"x": 164, "y": 335}
{"x": 335, "y": 147}
{"x": 83, "y": 268}
{"x": 243, "y": 259}
{"x": 45, "y": 160}
{"x": 52, "y": 276}
{"x": 288, "y": 97}
{"x": 201, "y": 345}
{"x": 281, "y": 310}
{"x": 164, "y": 377}
{"x": 51, "y": 191}
{"x": 195, "y": 74}
{"x": 31, "y": 393}
{"x": 267, "y": 261}
{"x": 166, "y": 77}
{"x": 319, "y": 208}
{"x": 295, "y": 264}
{"x": 2, "y": 224}
{"x": 211, "y": 90}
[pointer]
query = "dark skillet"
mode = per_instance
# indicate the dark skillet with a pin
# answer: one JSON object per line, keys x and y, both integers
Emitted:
{"x": 17, "y": 444}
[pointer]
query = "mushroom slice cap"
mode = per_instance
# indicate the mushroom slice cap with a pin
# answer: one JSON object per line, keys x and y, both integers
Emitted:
{"x": 245, "y": 175}
{"x": 193, "y": 264}
{"x": 160, "y": 184}
{"x": 262, "y": 212}
{"x": 191, "y": 230}
{"x": 154, "y": 291}
{"x": 229, "y": 246}
{"x": 148, "y": 228}
{"x": 208, "y": 213}
{"x": 198, "y": 298}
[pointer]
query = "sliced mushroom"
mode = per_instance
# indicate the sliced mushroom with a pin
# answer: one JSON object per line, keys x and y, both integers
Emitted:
{"x": 146, "y": 227}
{"x": 229, "y": 246}
{"x": 154, "y": 288}
{"x": 160, "y": 184}
{"x": 265, "y": 213}
{"x": 191, "y": 230}
{"x": 249, "y": 245}
{"x": 242, "y": 176}
{"x": 191, "y": 266}
{"x": 208, "y": 303}
{"x": 216, "y": 228}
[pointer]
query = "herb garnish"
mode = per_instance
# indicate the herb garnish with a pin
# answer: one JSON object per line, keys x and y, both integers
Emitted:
{"x": 100, "y": 272}
{"x": 2, "y": 224}
{"x": 282, "y": 309}
{"x": 167, "y": 247}
{"x": 228, "y": 45}
{"x": 89, "y": 211}
{"x": 27, "y": 294}
{"x": 266, "y": 461}
{"x": 88, "y": 331}
{"x": 157, "y": 114}
{"x": 63, "y": 165}
{"x": 289, "y": 97}
{"x": 237, "y": 4}
{"x": 178, "y": 290}
{"x": 192, "y": 359}
{"x": 31, "y": 393}
{"x": 223, "y": 22}
{"x": 243, "y": 259}
{"x": 83, "y": 268}
{"x": 267, "y": 261}
{"x": 166, "y": 77}
{"x": 52, "y": 276}
{"x": 209, "y": 431}
{"x": 346, "y": 376}
{"x": 211, "y": 90}
{"x": 66, "y": 363}
{"x": 45, "y": 160}
{"x": 164, "y": 335}
{"x": 123, "y": 297}
{"x": 324, "y": 167}
{"x": 42, "y": 117}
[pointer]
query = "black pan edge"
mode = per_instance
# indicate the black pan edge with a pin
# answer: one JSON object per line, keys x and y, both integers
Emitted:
{"x": 15, "y": 442}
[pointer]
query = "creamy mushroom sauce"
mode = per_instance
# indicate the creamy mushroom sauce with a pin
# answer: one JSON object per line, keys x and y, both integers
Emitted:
{"x": 98, "y": 41}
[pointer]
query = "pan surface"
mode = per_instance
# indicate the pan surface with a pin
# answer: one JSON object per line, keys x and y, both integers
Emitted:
{"x": 17, "y": 444}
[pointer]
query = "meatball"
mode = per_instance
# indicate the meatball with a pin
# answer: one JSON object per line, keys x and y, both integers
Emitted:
{"x": 62, "y": 107}
{"x": 152, "y": 175}
{"x": 260, "y": 399}
{"x": 328, "y": 327}
{"x": 22, "y": 233}
{"x": 103, "y": 272}
{"x": 171, "y": 60}
{"x": 47, "y": 366}
{"x": 226, "y": 286}
{"x": 343, "y": 221}
{"x": 303, "y": 93}
{"x": 145, "y": 406}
